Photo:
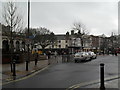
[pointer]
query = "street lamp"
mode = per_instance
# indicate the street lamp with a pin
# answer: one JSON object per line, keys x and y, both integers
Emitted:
{"x": 28, "y": 59}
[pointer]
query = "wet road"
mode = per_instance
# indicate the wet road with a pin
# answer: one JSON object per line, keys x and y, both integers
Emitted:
{"x": 64, "y": 75}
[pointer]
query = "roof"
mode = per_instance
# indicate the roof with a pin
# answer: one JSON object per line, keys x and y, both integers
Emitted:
{"x": 61, "y": 37}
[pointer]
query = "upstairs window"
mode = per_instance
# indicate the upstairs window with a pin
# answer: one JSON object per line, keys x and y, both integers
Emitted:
{"x": 59, "y": 41}
{"x": 59, "y": 46}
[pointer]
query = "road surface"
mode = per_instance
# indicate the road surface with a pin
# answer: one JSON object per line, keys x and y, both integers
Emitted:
{"x": 65, "y": 75}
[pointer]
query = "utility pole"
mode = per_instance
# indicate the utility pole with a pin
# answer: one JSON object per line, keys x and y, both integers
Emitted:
{"x": 28, "y": 59}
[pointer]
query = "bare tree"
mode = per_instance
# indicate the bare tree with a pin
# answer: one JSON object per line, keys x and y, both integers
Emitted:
{"x": 43, "y": 30}
{"x": 12, "y": 18}
{"x": 81, "y": 31}
{"x": 44, "y": 37}
{"x": 80, "y": 27}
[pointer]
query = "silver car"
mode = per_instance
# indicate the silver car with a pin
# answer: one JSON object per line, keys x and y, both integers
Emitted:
{"x": 93, "y": 55}
{"x": 80, "y": 56}
{"x": 88, "y": 56}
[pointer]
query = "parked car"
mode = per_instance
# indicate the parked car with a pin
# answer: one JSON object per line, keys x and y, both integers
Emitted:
{"x": 80, "y": 56}
{"x": 93, "y": 55}
{"x": 88, "y": 56}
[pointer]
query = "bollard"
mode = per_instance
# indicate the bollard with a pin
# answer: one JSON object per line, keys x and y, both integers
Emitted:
{"x": 11, "y": 66}
{"x": 14, "y": 68}
{"x": 102, "y": 86}
{"x": 35, "y": 62}
{"x": 26, "y": 65}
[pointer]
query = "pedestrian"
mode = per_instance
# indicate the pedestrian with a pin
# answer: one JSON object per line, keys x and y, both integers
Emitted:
{"x": 68, "y": 57}
{"x": 103, "y": 53}
{"x": 49, "y": 56}
{"x": 115, "y": 53}
{"x": 36, "y": 57}
{"x": 63, "y": 56}
{"x": 55, "y": 53}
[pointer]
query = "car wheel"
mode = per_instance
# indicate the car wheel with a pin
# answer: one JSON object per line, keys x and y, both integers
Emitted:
{"x": 85, "y": 59}
{"x": 90, "y": 58}
{"x": 75, "y": 61}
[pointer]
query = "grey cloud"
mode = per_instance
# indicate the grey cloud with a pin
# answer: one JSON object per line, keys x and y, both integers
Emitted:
{"x": 59, "y": 16}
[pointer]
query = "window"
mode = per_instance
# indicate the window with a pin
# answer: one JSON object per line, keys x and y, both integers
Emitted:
{"x": 17, "y": 45}
{"x": 59, "y": 41}
{"x": 66, "y": 41}
{"x": 59, "y": 46}
{"x": 5, "y": 45}
{"x": 52, "y": 46}
{"x": 66, "y": 46}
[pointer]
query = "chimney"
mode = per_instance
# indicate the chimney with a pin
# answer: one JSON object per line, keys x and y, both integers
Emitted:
{"x": 72, "y": 32}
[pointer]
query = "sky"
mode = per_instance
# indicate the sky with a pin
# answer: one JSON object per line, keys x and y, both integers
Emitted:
{"x": 98, "y": 17}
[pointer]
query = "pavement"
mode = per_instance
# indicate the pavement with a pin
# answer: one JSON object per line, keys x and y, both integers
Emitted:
{"x": 7, "y": 75}
{"x": 108, "y": 84}
{"x": 21, "y": 72}
{"x": 111, "y": 83}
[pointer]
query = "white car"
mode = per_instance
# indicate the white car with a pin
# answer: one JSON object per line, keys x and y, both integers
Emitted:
{"x": 80, "y": 56}
{"x": 93, "y": 55}
{"x": 88, "y": 56}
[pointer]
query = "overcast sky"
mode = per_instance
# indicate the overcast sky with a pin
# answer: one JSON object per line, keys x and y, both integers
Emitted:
{"x": 98, "y": 17}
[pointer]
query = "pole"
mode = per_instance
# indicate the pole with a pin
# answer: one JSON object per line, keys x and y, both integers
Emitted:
{"x": 14, "y": 68}
{"x": 102, "y": 86}
{"x": 11, "y": 62}
{"x": 28, "y": 34}
{"x": 11, "y": 43}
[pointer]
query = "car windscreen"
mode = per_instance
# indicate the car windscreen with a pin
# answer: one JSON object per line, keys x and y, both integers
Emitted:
{"x": 78, "y": 54}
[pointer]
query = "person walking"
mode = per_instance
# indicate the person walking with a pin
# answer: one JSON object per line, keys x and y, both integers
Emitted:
{"x": 115, "y": 53}
{"x": 68, "y": 57}
{"x": 55, "y": 53}
{"x": 63, "y": 56}
{"x": 36, "y": 57}
{"x": 49, "y": 56}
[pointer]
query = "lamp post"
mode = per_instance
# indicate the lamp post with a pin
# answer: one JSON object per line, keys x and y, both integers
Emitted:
{"x": 28, "y": 59}
{"x": 11, "y": 45}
